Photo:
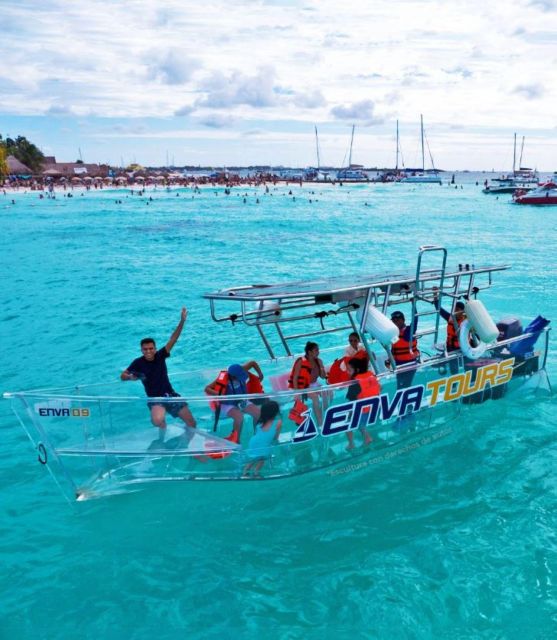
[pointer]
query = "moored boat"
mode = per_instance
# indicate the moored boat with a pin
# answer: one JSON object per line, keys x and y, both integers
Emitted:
{"x": 420, "y": 175}
{"x": 546, "y": 194}
{"x": 97, "y": 439}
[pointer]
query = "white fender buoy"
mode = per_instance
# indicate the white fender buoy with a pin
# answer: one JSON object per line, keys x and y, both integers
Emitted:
{"x": 378, "y": 326}
{"x": 481, "y": 321}
{"x": 473, "y": 353}
{"x": 267, "y": 309}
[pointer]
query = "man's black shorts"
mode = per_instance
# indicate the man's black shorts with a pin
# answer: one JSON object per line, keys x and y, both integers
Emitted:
{"x": 173, "y": 408}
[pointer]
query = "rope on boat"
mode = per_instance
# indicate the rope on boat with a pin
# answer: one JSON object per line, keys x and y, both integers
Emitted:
{"x": 42, "y": 456}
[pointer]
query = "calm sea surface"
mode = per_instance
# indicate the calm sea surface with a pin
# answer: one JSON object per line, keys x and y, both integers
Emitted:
{"x": 457, "y": 539}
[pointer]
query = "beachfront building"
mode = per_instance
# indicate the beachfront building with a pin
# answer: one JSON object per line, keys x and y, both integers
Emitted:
{"x": 17, "y": 169}
{"x": 69, "y": 170}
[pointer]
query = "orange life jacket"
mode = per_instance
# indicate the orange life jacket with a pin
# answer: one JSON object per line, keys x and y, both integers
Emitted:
{"x": 360, "y": 354}
{"x": 219, "y": 455}
{"x": 303, "y": 379}
{"x": 369, "y": 385}
{"x": 404, "y": 352}
{"x": 297, "y": 410}
{"x": 253, "y": 385}
{"x": 336, "y": 373}
{"x": 452, "y": 334}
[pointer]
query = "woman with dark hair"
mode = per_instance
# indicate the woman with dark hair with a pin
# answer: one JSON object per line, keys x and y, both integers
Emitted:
{"x": 267, "y": 431}
{"x": 305, "y": 374}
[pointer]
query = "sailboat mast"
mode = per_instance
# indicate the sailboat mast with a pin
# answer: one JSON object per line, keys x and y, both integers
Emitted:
{"x": 317, "y": 147}
{"x": 422, "y": 130}
{"x": 351, "y": 143}
{"x": 521, "y": 150}
{"x": 514, "y": 155}
{"x": 396, "y": 161}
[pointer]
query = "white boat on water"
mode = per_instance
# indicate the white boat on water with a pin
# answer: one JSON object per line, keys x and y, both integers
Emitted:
{"x": 352, "y": 173}
{"x": 421, "y": 175}
{"x": 97, "y": 439}
{"x": 523, "y": 178}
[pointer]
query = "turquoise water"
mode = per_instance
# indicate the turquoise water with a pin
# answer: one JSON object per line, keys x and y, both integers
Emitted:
{"x": 456, "y": 539}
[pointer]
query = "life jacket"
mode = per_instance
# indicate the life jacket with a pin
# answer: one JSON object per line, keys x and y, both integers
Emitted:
{"x": 297, "y": 411}
{"x": 338, "y": 372}
{"x": 219, "y": 455}
{"x": 452, "y": 334}
{"x": 253, "y": 385}
{"x": 404, "y": 352}
{"x": 304, "y": 375}
{"x": 369, "y": 385}
{"x": 361, "y": 354}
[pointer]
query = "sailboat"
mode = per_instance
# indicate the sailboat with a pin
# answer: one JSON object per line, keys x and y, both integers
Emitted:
{"x": 417, "y": 175}
{"x": 352, "y": 173}
{"x": 316, "y": 174}
{"x": 522, "y": 178}
{"x": 393, "y": 175}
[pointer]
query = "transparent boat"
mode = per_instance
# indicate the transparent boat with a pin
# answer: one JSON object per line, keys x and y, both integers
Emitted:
{"x": 97, "y": 440}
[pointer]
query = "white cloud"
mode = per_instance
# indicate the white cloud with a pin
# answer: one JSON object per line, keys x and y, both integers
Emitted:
{"x": 530, "y": 91}
{"x": 185, "y": 110}
{"x": 544, "y": 5}
{"x": 228, "y": 90}
{"x": 361, "y": 112}
{"x": 172, "y": 66}
{"x": 59, "y": 110}
{"x": 297, "y": 62}
{"x": 310, "y": 100}
{"x": 217, "y": 121}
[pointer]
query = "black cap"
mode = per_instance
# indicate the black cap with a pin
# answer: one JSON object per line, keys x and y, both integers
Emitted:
{"x": 397, "y": 315}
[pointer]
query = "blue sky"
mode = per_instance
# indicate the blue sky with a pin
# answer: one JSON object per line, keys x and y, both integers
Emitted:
{"x": 245, "y": 82}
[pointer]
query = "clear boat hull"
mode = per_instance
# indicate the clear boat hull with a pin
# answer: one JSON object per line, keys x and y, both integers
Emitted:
{"x": 97, "y": 440}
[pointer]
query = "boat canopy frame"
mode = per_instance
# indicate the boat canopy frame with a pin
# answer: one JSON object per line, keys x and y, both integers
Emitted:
{"x": 275, "y": 305}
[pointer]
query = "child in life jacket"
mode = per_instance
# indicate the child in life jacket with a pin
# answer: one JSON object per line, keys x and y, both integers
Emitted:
{"x": 365, "y": 385}
{"x": 236, "y": 380}
{"x": 267, "y": 431}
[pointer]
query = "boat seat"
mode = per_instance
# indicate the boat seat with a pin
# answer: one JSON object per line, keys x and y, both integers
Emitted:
{"x": 280, "y": 382}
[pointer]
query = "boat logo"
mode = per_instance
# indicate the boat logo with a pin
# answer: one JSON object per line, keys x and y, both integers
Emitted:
{"x": 367, "y": 411}
{"x": 61, "y": 409}
{"x": 307, "y": 429}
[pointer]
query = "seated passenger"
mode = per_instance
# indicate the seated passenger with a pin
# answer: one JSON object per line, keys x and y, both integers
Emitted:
{"x": 305, "y": 374}
{"x": 267, "y": 431}
{"x": 236, "y": 381}
{"x": 365, "y": 385}
{"x": 355, "y": 348}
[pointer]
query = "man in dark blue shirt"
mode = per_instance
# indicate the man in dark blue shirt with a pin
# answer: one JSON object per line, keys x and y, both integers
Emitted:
{"x": 150, "y": 368}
